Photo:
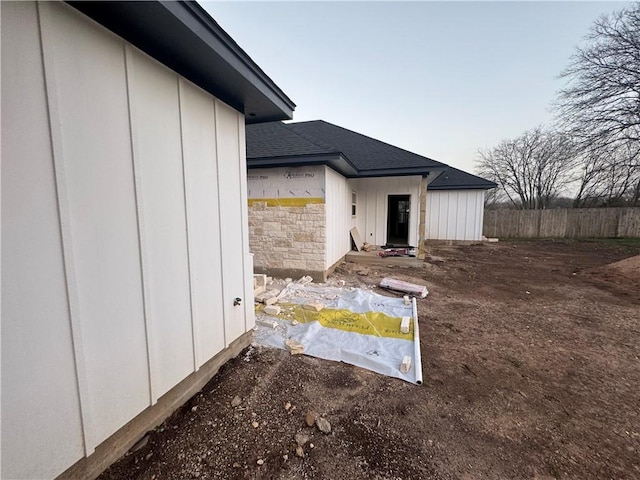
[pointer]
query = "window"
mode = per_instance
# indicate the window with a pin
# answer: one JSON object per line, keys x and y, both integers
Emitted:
{"x": 353, "y": 204}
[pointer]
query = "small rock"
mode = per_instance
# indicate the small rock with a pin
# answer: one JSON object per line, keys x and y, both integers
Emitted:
{"x": 141, "y": 443}
{"x": 269, "y": 294}
{"x": 287, "y": 405}
{"x": 430, "y": 442}
{"x": 236, "y": 465}
{"x": 313, "y": 306}
{"x": 273, "y": 310}
{"x": 269, "y": 302}
{"x": 311, "y": 445}
{"x": 294, "y": 322}
{"x": 294, "y": 346}
{"x": 301, "y": 439}
{"x": 148, "y": 456}
{"x": 254, "y": 414}
{"x": 323, "y": 425}
{"x": 310, "y": 418}
{"x": 255, "y": 424}
{"x": 236, "y": 401}
{"x": 299, "y": 451}
{"x": 194, "y": 408}
{"x": 285, "y": 457}
{"x": 260, "y": 461}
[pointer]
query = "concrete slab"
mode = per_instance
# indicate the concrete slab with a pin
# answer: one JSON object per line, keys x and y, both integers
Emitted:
{"x": 372, "y": 258}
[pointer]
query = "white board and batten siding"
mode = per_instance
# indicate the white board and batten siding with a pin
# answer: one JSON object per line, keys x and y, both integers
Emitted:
{"x": 338, "y": 216}
{"x": 455, "y": 214}
{"x": 118, "y": 280}
{"x": 372, "y": 205}
{"x": 41, "y": 423}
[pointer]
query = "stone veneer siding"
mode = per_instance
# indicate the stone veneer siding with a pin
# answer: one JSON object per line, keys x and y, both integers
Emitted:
{"x": 288, "y": 240}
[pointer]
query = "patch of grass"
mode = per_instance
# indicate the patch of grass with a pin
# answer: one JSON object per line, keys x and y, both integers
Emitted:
{"x": 514, "y": 361}
{"x": 616, "y": 241}
{"x": 619, "y": 241}
{"x": 553, "y": 469}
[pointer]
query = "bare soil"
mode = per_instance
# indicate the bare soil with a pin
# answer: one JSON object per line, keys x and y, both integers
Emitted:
{"x": 531, "y": 359}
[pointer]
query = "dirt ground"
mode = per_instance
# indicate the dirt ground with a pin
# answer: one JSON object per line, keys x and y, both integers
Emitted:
{"x": 531, "y": 359}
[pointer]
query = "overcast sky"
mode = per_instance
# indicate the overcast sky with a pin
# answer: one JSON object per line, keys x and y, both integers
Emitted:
{"x": 441, "y": 79}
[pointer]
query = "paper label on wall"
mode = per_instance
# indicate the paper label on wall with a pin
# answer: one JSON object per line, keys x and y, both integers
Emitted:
{"x": 283, "y": 182}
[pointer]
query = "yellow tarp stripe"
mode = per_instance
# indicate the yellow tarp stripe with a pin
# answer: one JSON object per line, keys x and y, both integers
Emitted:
{"x": 287, "y": 202}
{"x": 370, "y": 323}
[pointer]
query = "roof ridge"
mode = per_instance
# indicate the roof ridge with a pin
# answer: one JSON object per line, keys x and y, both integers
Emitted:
{"x": 453, "y": 178}
{"x": 460, "y": 170}
{"x": 309, "y": 138}
{"x": 369, "y": 138}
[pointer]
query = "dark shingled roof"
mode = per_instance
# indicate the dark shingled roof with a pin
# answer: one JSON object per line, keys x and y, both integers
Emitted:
{"x": 454, "y": 179}
{"x": 319, "y": 142}
{"x": 367, "y": 156}
{"x": 275, "y": 139}
{"x": 364, "y": 152}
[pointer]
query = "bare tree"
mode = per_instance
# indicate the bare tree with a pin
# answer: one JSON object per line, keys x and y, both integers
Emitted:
{"x": 601, "y": 102}
{"x": 600, "y": 108}
{"x": 609, "y": 178}
{"x": 532, "y": 169}
{"x": 495, "y": 199}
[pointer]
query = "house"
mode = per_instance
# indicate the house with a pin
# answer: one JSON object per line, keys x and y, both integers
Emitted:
{"x": 126, "y": 272}
{"x": 455, "y": 206}
{"x": 310, "y": 183}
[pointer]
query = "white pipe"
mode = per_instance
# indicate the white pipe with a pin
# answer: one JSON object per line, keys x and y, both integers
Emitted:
{"x": 416, "y": 343}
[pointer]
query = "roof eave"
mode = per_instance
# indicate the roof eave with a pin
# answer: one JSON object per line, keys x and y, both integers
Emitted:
{"x": 400, "y": 172}
{"x": 462, "y": 187}
{"x": 341, "y": 164}
{"x": 334, "y": 160}
{"x": 182, "y": 36}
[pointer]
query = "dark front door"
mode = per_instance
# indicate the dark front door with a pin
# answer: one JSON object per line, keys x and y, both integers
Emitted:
{"x": 398, "y": 220}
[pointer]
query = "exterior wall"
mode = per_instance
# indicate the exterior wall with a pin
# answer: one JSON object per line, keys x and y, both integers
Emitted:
{"x": 372, "y": 205}
{"x": 118, "y": 280}
{"x": 422, "y": 228}
{"x": 339, "y": 218}
{"x": 287, "y": 220}
{"x": 455, "y": 214}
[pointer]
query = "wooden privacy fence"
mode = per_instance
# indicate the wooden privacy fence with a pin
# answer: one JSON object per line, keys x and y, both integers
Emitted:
{"x": 563, "y": 223}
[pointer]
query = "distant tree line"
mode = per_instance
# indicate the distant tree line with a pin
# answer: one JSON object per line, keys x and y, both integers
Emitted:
{"x": 594, "y": 146}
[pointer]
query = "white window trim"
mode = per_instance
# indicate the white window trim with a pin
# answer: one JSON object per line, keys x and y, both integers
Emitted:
{"x": 354, "y": 204}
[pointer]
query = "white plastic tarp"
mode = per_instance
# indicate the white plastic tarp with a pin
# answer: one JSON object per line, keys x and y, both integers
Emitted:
{"x": 355, "y": 326}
